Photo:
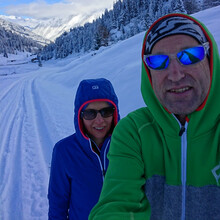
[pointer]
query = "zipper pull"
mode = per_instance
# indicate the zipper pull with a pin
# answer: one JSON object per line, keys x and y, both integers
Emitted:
{"x": 182, "y": 130}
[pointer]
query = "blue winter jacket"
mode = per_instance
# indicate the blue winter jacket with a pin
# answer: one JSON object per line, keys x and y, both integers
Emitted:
{"x": 77, "y": 172}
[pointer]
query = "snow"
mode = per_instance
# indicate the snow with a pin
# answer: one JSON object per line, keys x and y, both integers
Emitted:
{"x": 51, "y": 28}
{"x": 37, "y": 110}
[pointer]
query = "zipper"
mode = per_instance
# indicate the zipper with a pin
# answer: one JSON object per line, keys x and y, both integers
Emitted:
{"x": 105, "y": 155}
{"x": 103, "y": 167}
{"x": 183, "y": 134}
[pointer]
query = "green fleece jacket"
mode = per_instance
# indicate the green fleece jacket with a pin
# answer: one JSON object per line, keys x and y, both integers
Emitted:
{"x": 160, "y": 171}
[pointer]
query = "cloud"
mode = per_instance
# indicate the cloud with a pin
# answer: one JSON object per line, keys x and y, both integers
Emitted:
{"x": 42, "y": 10}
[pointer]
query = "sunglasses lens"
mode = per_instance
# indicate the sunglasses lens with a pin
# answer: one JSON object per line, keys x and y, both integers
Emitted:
{"x": 157, "y": 62}
{"x": 107, "y": 112}
{"x": 191, "y": 55}
{"x": 89, "y": 114}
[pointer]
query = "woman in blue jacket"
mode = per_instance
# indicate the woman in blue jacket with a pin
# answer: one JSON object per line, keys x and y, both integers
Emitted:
{"x": 79, "y": 161}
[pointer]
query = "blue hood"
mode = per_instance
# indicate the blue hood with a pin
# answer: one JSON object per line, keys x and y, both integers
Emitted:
{"x": 92, "y": 90}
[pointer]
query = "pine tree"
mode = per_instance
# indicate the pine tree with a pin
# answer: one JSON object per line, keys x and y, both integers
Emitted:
{"x": 191, "y": 6}
{"x": 177, "y": 6}
{"x": 207, "y": 4}
{"x": 5, "y": 53}
{"x": 210, "y": 3}
{"x": 215, "y": 3}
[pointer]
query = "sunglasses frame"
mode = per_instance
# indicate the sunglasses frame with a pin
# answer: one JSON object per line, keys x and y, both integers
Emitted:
{"x": 98, "y": 111}
{"x": 204, "y": 45}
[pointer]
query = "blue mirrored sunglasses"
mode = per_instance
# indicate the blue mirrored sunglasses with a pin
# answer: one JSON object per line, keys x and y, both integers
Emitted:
{"x": 185, "y": 57}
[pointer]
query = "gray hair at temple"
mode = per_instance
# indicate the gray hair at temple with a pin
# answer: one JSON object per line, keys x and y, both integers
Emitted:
{"x": 171, "y": 26}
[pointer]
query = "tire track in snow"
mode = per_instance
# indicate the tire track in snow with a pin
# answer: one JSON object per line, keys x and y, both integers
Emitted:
{"x": 26, "y": 143}
{"x": 11, "y": 155}
{"x": 34, "y": 166}
{"x": 23, "y": 168}
{"x": 37, "y": 151}
{"x": 46, "y": 132}
{"x": 45, "y": 136}
{"x": 7, "y": 89}
{"x": 9, "y": 117}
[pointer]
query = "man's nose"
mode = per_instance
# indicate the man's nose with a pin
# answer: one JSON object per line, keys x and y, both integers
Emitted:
{"x": 175, "y": 71}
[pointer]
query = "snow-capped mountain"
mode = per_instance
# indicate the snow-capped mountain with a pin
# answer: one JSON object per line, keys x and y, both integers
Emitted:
{"x": 22, "y": 31}
{"x": 53, "y": 27}
{"x": 15, "y": 38}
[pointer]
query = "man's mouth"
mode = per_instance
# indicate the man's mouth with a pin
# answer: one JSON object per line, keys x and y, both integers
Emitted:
{"x": 180, "y": 90}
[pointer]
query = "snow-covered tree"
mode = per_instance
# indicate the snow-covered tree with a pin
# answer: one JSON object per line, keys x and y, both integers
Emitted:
{"x": 210, "y": 3}
{"x": 191, "y": 6}
{"x": 127, "y": 18}
{"x": 11, "y": 42}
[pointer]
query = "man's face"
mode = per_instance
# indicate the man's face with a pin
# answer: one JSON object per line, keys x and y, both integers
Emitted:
{"x": 181, "y": 89}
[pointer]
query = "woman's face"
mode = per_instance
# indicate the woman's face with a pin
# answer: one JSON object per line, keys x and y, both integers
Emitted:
{"x": 99, "y": 127}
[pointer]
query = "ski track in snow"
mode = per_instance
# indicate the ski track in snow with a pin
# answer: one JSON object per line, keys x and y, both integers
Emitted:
{"x": 28, "y": 132}
{"x": 20, "y": 116}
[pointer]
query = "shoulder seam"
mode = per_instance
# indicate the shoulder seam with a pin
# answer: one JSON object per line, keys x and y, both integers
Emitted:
{"x": 145, "y": 125}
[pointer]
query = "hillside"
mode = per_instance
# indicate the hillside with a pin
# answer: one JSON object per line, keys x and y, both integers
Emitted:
{"x": 14, "y": 38}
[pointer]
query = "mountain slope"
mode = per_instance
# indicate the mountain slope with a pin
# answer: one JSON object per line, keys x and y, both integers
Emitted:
{"x": 51, "y": 28}
{"x": 17, "y": 38}
{"x": 22, "y": 31}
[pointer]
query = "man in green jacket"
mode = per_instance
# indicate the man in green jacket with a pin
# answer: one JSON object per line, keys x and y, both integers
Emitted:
{"x": 164, "y": 159}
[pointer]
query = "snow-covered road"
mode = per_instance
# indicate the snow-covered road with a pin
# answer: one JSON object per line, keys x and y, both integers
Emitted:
{"x": 24, "y": 158}
{"x": 29, "y": 128}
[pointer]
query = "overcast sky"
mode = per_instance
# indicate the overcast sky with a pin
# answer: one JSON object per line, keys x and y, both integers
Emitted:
{"x": 41, "y": 9}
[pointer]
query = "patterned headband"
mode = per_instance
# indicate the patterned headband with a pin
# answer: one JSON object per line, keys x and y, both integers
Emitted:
{"x": 173, "y": 25}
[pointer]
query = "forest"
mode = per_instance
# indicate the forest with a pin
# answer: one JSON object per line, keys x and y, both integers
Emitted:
{"x": 126, "y": 19}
